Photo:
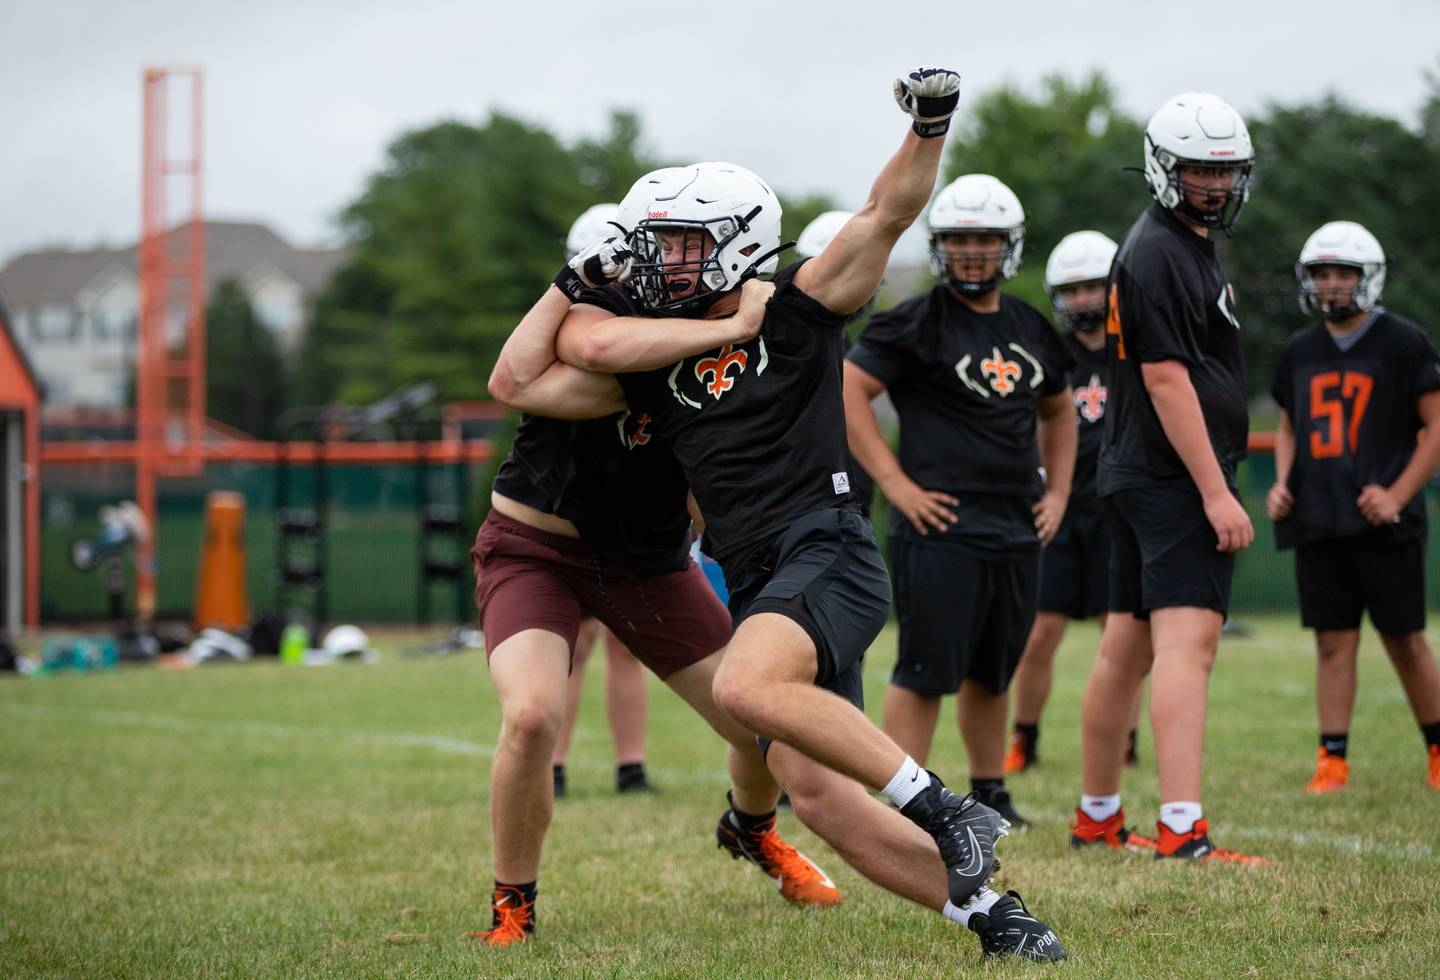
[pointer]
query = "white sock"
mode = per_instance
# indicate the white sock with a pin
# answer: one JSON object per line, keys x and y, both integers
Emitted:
{"x": 906, "y": 784}
{"x": 1180, "y": 816}
{"x": 981, "y": 903}
{"x": 1100, "y": 808}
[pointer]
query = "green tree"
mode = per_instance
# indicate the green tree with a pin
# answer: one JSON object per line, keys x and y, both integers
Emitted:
{"x": 244, "y": 373}
{"x": 451, "y": 242}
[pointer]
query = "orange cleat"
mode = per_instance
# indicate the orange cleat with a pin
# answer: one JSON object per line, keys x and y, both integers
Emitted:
{"x": 1332, "y": 773}
{"x": 1195, "y": 846}
{"x": 1435, "y": 767}
{"x": 1112, "y": 832}
{"x": 514, "y": 919}
{"x": 1017, "y": 759}
{"x": 797, "y": 878}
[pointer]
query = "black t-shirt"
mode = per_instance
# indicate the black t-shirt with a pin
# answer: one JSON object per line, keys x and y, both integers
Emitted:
{"x": 613, "y": 479}
{"x": 1169, "y": 300}
{"x": 759, "y": 429}
{"x": 966, "y": 386}
{"x": 1355, "y": 420}
{"x": 1089, "y": 386}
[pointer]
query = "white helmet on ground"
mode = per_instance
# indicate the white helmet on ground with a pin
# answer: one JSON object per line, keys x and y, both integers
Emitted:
{"x": 346, "y": 643}
{"x": 735, "y": 208}
{"x": 976, "y": 203}
{"x": 1342, "y": 243}
{"x": 595, "y": 225}
{"x": 820, "y": 233}
{"x": 1081, "y": 256}
{"x": 1202, "y": 130}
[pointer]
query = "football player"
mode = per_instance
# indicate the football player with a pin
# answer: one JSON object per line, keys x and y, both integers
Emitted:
{"x": 626, "y": 698}
{"x": 1176, "y": 426}
{"x": 592, "y": 516}
{"x": 978, "y": 379}
{"x": 1356, "y": 387}
{"x": 757, "y": 424}
{"x": 1075, "y": 565}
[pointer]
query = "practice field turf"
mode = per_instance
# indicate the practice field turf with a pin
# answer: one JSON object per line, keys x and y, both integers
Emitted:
{"x": 265, "y": 821}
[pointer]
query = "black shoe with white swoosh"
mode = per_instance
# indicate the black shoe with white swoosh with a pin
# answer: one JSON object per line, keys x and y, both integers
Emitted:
{"x": 965, "y": 830}
{"x": 1008, "y": 929}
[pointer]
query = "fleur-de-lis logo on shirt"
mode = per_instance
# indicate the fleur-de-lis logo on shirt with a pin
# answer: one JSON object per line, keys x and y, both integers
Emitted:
{"x": 636, "y": 437}
{"x": 1002, "y": 373}
{"x": 1090, "y": 400}
{"x": 718, "y": 367}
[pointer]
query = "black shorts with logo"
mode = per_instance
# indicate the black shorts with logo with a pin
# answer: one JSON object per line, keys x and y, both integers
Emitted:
{"x": 826, "y": 574}
{"x": 1163, "y": 551}
{"x": 1342, "y": 578}
{"x": 962, "y": 616}
{"x": 1075, "y": 566}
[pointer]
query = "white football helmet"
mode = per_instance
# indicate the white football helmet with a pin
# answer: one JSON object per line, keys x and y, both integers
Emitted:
{"x": 820, "y": 232}
{"x": 1203, "y": 130}
{"x": 1081, "y": 256}
{"x": 1342, "y": 243}
{"x": 595, "y": 225}
{"x": 735, "y": 208}
{"x": 976, "y": 202}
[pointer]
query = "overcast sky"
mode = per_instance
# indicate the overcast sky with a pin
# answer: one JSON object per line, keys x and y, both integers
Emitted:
{"x": 302, "y": 96}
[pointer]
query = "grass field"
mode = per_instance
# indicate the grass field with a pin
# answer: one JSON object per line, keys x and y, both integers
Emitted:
{"x": 261, "y": 821}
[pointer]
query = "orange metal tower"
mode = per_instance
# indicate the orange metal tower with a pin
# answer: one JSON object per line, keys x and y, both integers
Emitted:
{"x": 170, "y": 382}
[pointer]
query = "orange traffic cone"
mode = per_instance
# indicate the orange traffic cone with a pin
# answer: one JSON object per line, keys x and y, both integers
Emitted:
{"x": 220, "y": 599}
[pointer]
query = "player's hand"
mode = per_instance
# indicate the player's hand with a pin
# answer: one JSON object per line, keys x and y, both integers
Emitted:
{"x": 1278, "y": 502}
{"x": 1049, "y": 511}
{"x": 929, "y": 96}
{"x": 1378, "y": 505}
{"x": 754, "y": 297}
{"x": 926, "y": 510}
{"x": 596, "y": 265}
{"x": 1231, "y": 523}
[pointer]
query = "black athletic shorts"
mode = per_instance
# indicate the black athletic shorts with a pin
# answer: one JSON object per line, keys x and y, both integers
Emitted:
{"x": 1162, "y": 552}
{"x": 824, "y": 572}
{"x": 1075, "y": 566}
{"x": 1341, "y": 578}
{"x": 961, "y": 616}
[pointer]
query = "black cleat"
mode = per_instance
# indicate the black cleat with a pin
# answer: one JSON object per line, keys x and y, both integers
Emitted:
{"x": 965, "y": 830}
{"x": 1008, "y": 929}
{"x": 632, "y": 779}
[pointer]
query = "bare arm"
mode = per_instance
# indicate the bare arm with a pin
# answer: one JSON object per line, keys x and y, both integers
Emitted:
{"x": 529, "y": 377}
{"x": 596, "y": 340}
{"x": 1279, "y": 500}
{"x": 844, "y": 276}
{"x": 1178, "y": 408}
{"x": 1058, "y": 438}
{"x": 1381, "y": 504}
{"x": 924, "y": 509}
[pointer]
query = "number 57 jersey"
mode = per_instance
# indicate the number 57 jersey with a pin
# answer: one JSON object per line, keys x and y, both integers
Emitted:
{"x": 1354, "y": 411}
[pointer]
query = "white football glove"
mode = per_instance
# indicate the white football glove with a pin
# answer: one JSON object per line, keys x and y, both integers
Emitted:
{"x": 929, "y": 96}
{"x": 597, "y": 265}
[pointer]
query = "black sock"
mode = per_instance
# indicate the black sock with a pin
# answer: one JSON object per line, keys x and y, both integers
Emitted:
{"x": 526, "y": 893}
{"x": 749, "y": 823}
{"x": 1337, "y": 744}
{"x": 1130, "y": 744}
{"x": 557, "y": 778}
{"x": 987, "y": 789}
{"x": 630, "y": 775}
{"x": 1431, "y": 733}
{"x": 1029, "y": 736}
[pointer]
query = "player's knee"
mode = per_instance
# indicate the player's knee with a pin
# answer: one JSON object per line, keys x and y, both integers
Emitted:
{"x": 737, "y": 695}
{"x": 531, "y": 726}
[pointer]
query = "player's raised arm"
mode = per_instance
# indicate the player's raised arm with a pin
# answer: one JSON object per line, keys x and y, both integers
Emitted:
{"x": 847, "y": 273}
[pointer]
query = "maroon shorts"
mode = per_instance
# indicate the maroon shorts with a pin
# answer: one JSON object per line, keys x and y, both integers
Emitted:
{"x": 526, "y": 578}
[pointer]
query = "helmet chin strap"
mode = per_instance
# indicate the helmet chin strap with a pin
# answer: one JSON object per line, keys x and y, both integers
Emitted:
{"x": 752, "y": 272}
